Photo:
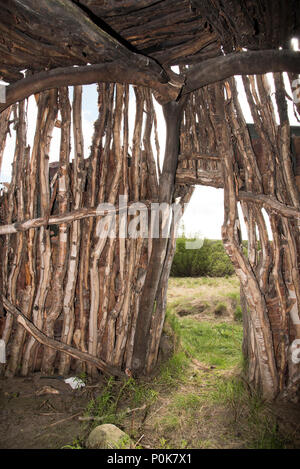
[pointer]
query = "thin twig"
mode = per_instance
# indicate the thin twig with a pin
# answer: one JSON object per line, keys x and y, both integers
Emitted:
{"x": 63, "y": 420}
{"x": 99, "y": 418}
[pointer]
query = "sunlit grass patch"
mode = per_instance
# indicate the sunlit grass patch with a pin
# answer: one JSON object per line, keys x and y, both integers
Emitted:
{"x": 214, "y": 344}
{"x": 206, "y": 297}
{"x": 172, "y": 372}
{"x": 186, "y": 402}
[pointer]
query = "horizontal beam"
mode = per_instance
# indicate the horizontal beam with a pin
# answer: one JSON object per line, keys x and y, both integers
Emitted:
{"x": 215, "y": 179}
{"x": 68, "y": 217}
{"x": 241, "y": 63}
{"x": 47, "y": 34}
{"x": 270, "y": 203}
{"x": 199, "y": 156}
{"x": 112, "y": 72}
{"x": 183, "y": 176}
{"x": 200, "y": 177}
{"x": 208, "y": 72}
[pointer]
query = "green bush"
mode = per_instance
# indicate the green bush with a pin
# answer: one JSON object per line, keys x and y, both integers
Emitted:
{"x": 210, "y": 260}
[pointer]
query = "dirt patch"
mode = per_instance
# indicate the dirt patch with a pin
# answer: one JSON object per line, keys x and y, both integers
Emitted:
{"x": 32, "y": 421}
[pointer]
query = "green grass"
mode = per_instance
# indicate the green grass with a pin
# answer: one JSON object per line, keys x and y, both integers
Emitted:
{"x": 220, "y": 309}
{"x": 104, "y": 406}
{"x": 193, "y": 282}
{"x": 213, "y": 344}
{"x": 174, "y": 370}
{"x": 189, "y": 402}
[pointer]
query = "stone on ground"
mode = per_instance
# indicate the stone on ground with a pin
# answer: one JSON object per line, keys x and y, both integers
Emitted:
{"x": 108, "y": 436}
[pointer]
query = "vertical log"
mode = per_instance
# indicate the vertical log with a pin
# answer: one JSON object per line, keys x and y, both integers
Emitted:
{"x": 19, "y": 166}
{"x": 104, "y": 99}
{"x": 56, "y": 289}
{"x": 47, "y": 111}
{"x": 4, "y": 130}
{"x": 173, "y": 114}
{"x": 158, "y": 318}
{"x": 75, "y": 233}
{"x": 100, "y": 242}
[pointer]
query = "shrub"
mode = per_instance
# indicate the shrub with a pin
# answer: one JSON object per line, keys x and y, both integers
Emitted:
{"x": 210, "y": 260}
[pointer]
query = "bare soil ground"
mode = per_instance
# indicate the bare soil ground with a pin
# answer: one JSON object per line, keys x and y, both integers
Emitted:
{"x": 29, "y": 420}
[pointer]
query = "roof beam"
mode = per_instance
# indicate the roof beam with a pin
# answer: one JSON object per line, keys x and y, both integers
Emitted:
{"x": 241, "y": 63}
{"x": 143, "y": 73}
{"x": 113, "y": 72}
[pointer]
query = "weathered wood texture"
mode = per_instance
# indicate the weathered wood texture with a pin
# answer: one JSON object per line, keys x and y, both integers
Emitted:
{"x": 252, "y": 25}
{"x": 269, "y": 275}
{"x": 75, "y": 299}
{"x": 138, "y": 41}
{"x": 76, "y": 288}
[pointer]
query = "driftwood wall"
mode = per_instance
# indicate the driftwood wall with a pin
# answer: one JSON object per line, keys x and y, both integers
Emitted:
{"x": 80, "y": 290}
{"x": 102, "y": 300}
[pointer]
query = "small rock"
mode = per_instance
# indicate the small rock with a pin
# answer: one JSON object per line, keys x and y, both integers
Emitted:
{"x": 108, "y": 436}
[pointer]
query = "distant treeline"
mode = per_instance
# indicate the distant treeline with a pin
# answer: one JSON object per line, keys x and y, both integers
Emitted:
{"x": 210, "y": 260}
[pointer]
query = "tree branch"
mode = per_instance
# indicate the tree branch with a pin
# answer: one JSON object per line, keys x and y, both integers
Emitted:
{"x": 270, "y": 203}
{"x": 55, "y": 344}
{"x": 210, "y": 71}
{"x": 68, "y": 217}
{"x": 241, "y": 63}
{"x": 113, "y": 72}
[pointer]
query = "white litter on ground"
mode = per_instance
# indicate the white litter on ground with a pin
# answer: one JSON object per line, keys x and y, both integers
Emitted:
{"x": 75, "y": 383}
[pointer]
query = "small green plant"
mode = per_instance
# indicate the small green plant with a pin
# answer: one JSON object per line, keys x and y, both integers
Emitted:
{"x": 75, "y": 445}
{"x": 82, "y": 377}
{"x": 268, "y": 437}
{"x": 170, "y": 423}
{"x": 183, "y": 444}
{"x": 228, "y": 391}
{"x": 105, "y": 405}
{"x": 172, "y": 327}
{"x": 139, "y": 392}
{"x": 238, "y": 315}
{"x": 172, "y": 372}
{"x": 164, "y": 444}
{"x": 124, "y": 443}
{"x": 186, "y": 402}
